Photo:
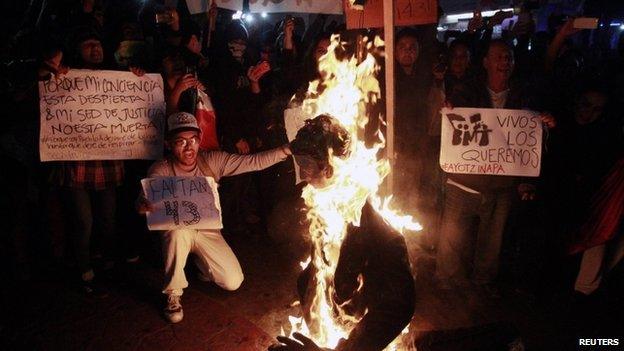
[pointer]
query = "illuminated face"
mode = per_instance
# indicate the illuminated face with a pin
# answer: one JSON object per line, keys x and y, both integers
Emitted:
{"x": 91, "y": 52}
{"x": 311, "y": 171}
{"x": 459, "y": 60}
{"x": 406, "y": 51}
{"x": 184, "y": 147}
{"x": 321, "y": 49}
{"x": 499, "y": 62}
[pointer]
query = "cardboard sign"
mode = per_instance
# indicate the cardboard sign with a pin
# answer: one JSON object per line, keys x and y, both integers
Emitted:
{"x": 182, "y": 203}
{"x": 301, "y": 6}
{"x": 406, "y": 13}
{"x": 101, "y": 115}
{"x": 201, "y": 6}
{"x": 491, "y": 141}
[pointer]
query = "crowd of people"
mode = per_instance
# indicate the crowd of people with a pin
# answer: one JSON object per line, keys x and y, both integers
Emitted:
{"x": 483, "y": 229}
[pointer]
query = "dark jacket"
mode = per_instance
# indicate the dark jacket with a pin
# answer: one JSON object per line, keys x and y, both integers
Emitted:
{"x": 379, "y": 253}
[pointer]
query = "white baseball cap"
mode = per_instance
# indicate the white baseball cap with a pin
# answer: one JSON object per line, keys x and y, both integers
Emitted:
{"x": 181, "y": 121}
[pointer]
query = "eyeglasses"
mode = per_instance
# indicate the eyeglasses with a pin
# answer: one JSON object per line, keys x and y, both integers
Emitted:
{"x": 182, "y": 142}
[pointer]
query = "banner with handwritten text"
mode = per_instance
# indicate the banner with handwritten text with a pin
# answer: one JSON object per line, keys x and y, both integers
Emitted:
{"x": 299, "y": 6}
{"x": 182, "y": 202}
{"x": 491, "y": 141}
{"x": 101, "y": 115}
{"x": 406, "y": 13}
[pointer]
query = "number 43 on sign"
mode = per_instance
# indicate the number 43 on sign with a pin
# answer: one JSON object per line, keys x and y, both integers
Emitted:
{"x": 182, "y": 202}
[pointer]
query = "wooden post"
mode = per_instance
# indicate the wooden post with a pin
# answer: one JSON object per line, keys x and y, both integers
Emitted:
{"x": 388, "y": 16}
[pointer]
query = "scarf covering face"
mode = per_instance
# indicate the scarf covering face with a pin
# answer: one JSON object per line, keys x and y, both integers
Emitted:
{"x": 237, "y": 50}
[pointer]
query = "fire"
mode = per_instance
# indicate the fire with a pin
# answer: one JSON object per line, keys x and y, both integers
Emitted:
{"x": 347, "y": 87}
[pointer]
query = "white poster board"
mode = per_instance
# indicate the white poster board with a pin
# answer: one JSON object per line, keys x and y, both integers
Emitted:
{"x": 491, "y": 141}
{"x": 294, "y": 119}
{"x": 301, "y": 6}
{"x": 101, "y": 115}
{"x": 201, "y": 6}
{"x": 182, "y": 203}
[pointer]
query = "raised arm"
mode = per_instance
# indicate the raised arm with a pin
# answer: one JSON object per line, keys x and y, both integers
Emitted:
{"x": 224, "y": 164}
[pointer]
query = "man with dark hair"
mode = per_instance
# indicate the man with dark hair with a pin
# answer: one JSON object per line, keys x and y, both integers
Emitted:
{"x": 90, "y": 187}
{"x": 214, "y": 258}
{"x": 487, "y": 198}
{"x": 373, "y": 250}
{"x": 410, "y": 117}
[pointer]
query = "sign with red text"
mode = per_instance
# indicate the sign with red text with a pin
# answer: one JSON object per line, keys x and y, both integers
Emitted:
{"x": 301, "y": 6}
{"x": 491, "y": 141}
{"x": 101, "y": 115}
{"x": 406, "y": 13}
{"x": 182, "y": 203}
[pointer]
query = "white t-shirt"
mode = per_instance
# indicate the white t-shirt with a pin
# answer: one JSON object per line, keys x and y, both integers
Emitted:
{"x": 498, "y": 99}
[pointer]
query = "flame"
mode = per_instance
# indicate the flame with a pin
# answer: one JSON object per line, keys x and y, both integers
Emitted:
{"x": 346, "y": 88}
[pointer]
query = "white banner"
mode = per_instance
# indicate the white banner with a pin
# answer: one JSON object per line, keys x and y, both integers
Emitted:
{"x": 182, "y": 203}
{"x": 491, "y": 141}
{"x": 302, "y": 6}
{"x": 101, "y": 115}
{"x": 201, "y": 6}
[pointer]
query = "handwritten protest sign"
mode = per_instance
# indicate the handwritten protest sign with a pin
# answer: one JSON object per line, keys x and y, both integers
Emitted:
{"x": 491, "y": 141}
{"x": 302, "y": 6}
{"x": 182, "y": 202}
{"x": 201, "y": 6}
{"x": 101, "y": 115}
{"x": 406, "y": 13}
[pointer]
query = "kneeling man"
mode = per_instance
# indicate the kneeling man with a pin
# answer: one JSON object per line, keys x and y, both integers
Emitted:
{"x": 214, "y": 257}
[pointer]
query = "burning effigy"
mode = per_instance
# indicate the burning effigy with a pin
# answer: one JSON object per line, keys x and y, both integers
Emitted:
{"x": 356, "y": 289}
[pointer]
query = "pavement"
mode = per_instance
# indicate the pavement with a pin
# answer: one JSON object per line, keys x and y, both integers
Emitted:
{"x": 48, "y": 312}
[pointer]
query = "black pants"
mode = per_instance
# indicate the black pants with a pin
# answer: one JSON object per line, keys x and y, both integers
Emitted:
{"x": 92, "y": 214}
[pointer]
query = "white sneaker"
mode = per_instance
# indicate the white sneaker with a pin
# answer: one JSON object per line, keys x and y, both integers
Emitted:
{"x": 173, "y": 311}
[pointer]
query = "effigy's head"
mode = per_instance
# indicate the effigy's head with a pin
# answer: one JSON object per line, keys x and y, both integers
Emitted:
{"x": 320, "y": 139}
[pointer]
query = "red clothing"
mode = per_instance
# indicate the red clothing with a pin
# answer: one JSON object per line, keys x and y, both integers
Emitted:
{"x": 91, "y": 175}
{"x": 207, "y": 120}
{"x": 606, "y": 213}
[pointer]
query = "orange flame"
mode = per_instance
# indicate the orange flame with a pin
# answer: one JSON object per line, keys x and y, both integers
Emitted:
{"x": 345, "y": 90}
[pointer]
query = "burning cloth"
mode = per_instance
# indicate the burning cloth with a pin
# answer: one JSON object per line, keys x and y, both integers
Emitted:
{"x": 385, "y": 300}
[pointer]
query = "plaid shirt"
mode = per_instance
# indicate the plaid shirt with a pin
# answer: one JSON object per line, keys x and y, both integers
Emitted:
{"x": 92, "y": 175}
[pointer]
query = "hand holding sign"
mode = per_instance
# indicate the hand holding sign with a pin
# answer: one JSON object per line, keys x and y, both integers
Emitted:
{"x": 492, "y": 141}
{"x": 101, "y": 115}
{"x": 180, "y": 202}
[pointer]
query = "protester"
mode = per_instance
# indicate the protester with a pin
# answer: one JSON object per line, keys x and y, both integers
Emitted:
{"x": 89, "y": 188}
{"x": 411, "y": 124}
{"x": 484, "y": 197}
{"x": 602, "y": 234}
{"x": 209, "y": 63}
{"x": 214, "y": 258}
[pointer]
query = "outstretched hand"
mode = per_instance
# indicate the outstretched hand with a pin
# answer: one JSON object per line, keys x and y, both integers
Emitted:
{"x": 299, "y": 343}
